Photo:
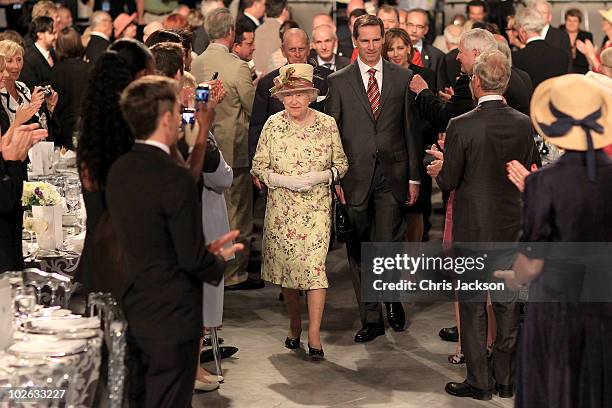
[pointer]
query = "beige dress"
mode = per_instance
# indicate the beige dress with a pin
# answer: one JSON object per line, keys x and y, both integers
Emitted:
{"x": 297, "y": 225}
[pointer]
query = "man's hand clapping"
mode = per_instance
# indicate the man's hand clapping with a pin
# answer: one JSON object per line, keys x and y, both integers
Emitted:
{"x": 436, "y": 165}
{"x": 218, "y": 248}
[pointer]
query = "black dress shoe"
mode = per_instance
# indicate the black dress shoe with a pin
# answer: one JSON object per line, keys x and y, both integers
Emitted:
{"x": 464, "y": 389}
{"x": 208, "y": 341}
{"x": 369, "y": 333}
{"x": 504, "y": 391}
{"x": 396, "y": 316}
{"x": 292, "y": 344}
{"x": 226, "y": 351}
{"x": 315, "y": 354}
{"x": 248, "y": 284}
{"x": 449, "y": 334}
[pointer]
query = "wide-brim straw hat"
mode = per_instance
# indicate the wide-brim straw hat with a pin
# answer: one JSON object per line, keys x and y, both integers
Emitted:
{"x": 560, "y": 103}
{"x": 294, "y": 78}
{"x": 607, "y": 14}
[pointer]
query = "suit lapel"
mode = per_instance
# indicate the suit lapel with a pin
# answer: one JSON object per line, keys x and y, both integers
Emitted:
{"x": 357, "y": 84}
{"x": 386, "y": 85}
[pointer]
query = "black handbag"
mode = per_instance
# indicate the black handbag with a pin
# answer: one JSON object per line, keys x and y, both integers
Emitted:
{"x": 341, "y": 222}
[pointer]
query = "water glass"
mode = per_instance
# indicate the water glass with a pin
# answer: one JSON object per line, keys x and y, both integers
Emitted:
{"x": 25, "y": 301}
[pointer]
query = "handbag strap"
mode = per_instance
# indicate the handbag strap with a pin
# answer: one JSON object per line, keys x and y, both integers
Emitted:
{"x": 335, "y": 182}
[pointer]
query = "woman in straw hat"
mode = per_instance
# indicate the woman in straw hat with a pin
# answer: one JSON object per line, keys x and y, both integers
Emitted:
{"x": 564, "y": 357}
{"x": 298, "y": 153}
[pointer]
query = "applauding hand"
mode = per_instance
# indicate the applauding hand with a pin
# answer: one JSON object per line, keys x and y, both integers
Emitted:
{"x": 436, "y": 165}
{"x": 218, "y": 248}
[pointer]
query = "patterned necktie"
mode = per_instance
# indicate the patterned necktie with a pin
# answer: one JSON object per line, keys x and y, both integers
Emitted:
{"x": 328, "y": 65}
{"x": 373, "y": 93}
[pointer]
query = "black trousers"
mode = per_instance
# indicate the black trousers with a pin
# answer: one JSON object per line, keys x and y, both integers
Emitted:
{"x": 378, "y": 219}
{"x": 161, "y": 372}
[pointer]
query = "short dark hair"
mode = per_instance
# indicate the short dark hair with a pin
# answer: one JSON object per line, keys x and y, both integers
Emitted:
{"x": 388, "y": 9}
{"x": 420, "y": 11}
{"x": 135, "y": 55}
{"x": 368, "y": 20}
{"x": 68, "y": 44}
{"x": 169, "y": 58}
{"x": 476, "y": 3}
{"x": 242, "y": 28}
{"x": 274, "y": 8}
{"x": 145, "y": 100}
{"x": 42, "y": 24}
{"x": 573, "y": 12}
{"x": 161, "y": 36}
{"x": 358, "y": 12}
{"x": 289, "y": 24}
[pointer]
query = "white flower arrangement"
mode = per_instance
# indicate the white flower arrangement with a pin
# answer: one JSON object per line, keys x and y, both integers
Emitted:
{"x": 41, "y": 194}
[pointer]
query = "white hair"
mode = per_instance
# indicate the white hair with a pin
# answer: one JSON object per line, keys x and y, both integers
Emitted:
{"x": 322, "y": 26}
{"x": 535, "y": 3}
{"x": 530, "y": 20}
{"x": 503, "y": 47}
{"x": 493, "y": 70}
{"x": 450, "y": 37}
{"x": 478, "y": 39}
{"x": 96, "y": 18}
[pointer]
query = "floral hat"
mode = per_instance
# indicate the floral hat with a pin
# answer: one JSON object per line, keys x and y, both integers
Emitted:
{"x": 293, "y": 78}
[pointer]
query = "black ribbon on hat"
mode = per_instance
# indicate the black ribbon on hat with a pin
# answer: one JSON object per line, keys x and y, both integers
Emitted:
{"x": 565, "y": 123}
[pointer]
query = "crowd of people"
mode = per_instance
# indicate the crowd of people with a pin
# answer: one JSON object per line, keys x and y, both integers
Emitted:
{"x": 182, "y": 117}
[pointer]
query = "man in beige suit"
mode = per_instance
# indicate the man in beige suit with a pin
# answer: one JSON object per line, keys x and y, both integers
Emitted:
{"x": 267, "y": 37}
{"x": 231, "y": 127}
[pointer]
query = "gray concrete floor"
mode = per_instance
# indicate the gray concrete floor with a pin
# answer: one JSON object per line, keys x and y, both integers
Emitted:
{"x": 401, "y": 369}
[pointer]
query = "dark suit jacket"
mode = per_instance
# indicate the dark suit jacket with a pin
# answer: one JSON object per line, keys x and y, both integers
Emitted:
{"x": 345, "y": 41}
{"x": 541, "y": 61}
{"x": 393, "y": 140}
{"x": 431, "y": 56}
{"x": 339, "y": 60}
{"x": 157, "y": 217}
{"x": 95, "y": 48}
{"x": 487, "y": 206}
{"x": 246, "y": 22}
{"x": 265, "y": 106}
{"x": 36, "y": 70}
{"x": 12, "y": 176}
{"x": 439, "y": 113}
{"x": 519, "y": 91}
{"x": 69, "y": 79}
{"x": 558, "y": 38}
{"x": 449, "y": 70}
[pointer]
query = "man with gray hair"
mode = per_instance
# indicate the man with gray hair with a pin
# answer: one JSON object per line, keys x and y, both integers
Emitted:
{"x": 539, "y": 59}
{"x": 101, "y": 25}
{"x": 486, "y": 209}
{"x": 232, "y": 117}
{"x": 556, "y": 37}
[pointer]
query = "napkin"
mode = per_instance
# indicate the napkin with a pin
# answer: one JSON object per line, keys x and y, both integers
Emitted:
{"x": 41, "y": 157}
{"x": 65, "y": 324}
{"x": 47, "y": 345}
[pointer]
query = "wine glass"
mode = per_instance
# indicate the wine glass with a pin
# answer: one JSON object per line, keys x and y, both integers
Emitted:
{"x": 73, "y": 196}
{"x": 28, "y": 225}
{"x": 25, "y": 301}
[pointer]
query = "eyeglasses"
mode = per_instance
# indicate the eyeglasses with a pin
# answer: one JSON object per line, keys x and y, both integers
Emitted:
{"x": 418, "y": 26}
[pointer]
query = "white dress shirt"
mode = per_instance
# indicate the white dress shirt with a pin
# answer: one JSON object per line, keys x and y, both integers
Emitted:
{"x": 45, "y": 53}
{"x": 332, "y": 62}
{"x": 418, "y": 46}
{"x": 155, "y": 143}
{"x": 363, "y": 68}
{"x": 487, "y": 98}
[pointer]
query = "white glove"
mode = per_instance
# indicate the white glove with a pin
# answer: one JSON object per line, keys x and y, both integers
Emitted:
{"x": 301, "y": 183}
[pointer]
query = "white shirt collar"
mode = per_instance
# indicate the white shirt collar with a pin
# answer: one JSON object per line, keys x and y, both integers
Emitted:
{"x": 45, "y": 53}
{"x": 532, "y": 39}
{"x": 99, "y": 34}
{"x": 545, "y": 30}
{"x": 419, "y": 46}
{"x": 155, "y": 143}
{"x": 252, "y": 18}
{"x": 488, "y": 98}
{"x": 363, "y": 67}
{"x": 332, "y": 62}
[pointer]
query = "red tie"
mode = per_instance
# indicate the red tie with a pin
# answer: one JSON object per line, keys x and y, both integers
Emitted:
{"x": 373, "y": 93}
{"x": 416, "y": 58}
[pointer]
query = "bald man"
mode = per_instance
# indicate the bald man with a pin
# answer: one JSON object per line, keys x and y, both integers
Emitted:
{"x": 324, "y": 44}
{"x": 354, "y": 4}
{"x": 295, "y": 46}
{"x": 323, "y": 19}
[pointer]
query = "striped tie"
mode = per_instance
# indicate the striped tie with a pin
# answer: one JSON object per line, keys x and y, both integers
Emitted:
{"x": 373, "y": 94}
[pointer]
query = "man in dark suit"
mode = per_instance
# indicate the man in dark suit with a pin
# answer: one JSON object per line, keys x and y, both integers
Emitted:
{"x": 555, "y": 37}
{"x": 539, "y": 59}
{"x": 449, "y": 69}
{"x": 39, "y": 58}
{"x": 372, "y": 106}
{"x": 251, "y": 17}
{"x": 101, "y": 31}
{"x": 154, "y": 207}
{"x": 417, "y": 26}
{"x": 324, "y": 42}
{"x": 486, "y": 209}
{"x": 295, "y": 48}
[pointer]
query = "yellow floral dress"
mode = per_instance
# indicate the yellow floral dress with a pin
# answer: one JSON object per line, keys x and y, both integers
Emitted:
{"x": 297, "y": 225}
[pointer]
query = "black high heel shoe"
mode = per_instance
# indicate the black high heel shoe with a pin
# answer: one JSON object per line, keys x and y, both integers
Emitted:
{"x": 315, "y": 354}
{"x": 292, "y": 344}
